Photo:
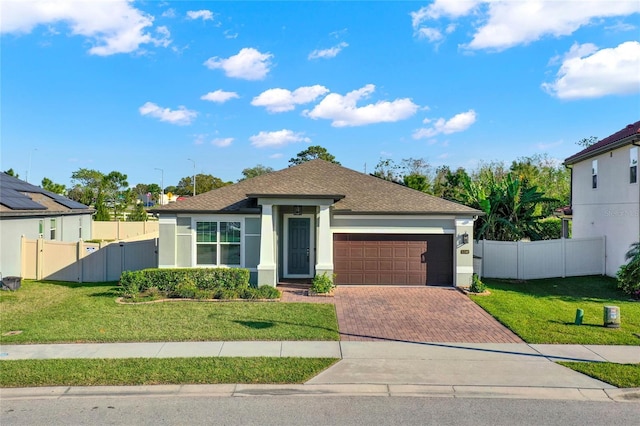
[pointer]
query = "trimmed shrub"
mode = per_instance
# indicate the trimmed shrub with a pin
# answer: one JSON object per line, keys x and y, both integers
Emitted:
{"x": 322, "y": 284}
{"x": 550, "y": 228}
{"x": 629, "y": 274}
{"x": 266, "y": 292}
{"x": 175, "y": 281}
{"x": 477, "y": 286}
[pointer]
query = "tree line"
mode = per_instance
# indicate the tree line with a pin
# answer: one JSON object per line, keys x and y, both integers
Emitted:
{"x": 518, "y": 200}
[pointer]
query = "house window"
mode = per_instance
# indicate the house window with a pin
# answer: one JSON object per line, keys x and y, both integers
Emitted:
{"x": 52, "y": 230}
{"x": 218, "y": 243}
{"x": 594, "y": 174}
{"x": 80, "y": 227}
{"x": 633, "y": 165}
{"x": 40, "y": 228}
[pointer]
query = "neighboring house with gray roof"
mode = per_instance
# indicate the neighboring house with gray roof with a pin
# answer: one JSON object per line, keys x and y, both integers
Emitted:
{"x": 30, "y": 211}
{"x": 605, "y": 194}
{"x": 319, "y": 217}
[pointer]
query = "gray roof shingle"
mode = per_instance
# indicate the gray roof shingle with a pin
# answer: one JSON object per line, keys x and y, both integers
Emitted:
{"x": 354, "y": 192}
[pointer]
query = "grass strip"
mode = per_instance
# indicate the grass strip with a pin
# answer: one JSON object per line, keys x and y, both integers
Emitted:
{"x": 618, "y": 375}
{"x": 543, "y": 311}
{"x": 155, "y": 371}
{"x": 59, "y": 312}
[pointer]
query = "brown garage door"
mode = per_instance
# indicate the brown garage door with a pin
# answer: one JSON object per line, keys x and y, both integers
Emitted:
{"x": 392, "y": 259}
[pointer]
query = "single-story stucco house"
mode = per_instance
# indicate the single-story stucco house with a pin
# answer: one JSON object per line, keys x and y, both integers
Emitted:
{"x": 319, "y": 217}
{"x": 30, "y": 211}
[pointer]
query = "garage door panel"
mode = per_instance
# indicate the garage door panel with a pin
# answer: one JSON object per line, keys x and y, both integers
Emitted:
{"x": 371, "y": 252}
{"x": 356, "y": 252}
{"x": 371, "y": 265}
{"x": 393, "y": 259}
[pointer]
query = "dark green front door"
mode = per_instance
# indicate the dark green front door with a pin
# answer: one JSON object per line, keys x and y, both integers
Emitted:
{"x": 299, "y": 247}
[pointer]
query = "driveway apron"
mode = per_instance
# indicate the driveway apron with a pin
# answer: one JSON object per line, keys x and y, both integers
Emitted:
{"x": 415, "y": 314}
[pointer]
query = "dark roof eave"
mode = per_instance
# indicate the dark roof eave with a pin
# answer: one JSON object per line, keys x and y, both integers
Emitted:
{"x": 254, "y": 210}
{"x": 472, "y": 212}
{"x": 335, "y": 197}
{"x": 583, "y": 155}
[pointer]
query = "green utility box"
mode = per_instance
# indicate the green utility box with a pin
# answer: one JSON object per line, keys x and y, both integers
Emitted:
{"x": 612, "y": 316}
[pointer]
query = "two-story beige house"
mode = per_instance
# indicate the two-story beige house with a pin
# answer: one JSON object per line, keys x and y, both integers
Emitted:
{"x": 605, "y": 193}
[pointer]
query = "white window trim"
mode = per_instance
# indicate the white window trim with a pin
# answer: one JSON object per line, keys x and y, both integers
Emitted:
{"x": 218, "y": 220}
{"x": 285, "y": 246}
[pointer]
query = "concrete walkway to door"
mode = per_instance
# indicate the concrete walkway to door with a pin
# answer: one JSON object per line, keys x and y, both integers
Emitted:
{"x": 409, "y": 314}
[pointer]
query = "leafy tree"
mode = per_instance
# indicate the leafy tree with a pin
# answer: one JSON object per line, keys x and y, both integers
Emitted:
{"x": 204, "y": 183}
{"x": 629, "y": 274}
{"x": 387, "y": 169}
{"x": 587, "y": 142}
{"x": 509, "y": 207}
{"x": 86, "y": 185}
{"x": 448, "y": 184}
{"x": 418, "y": 182}
{"x": 142, "y": 189}
{"x": 50, "y": 186}
{"x": 115, "y": 189}
{"x": 544, "y": 172}
{"x": 10, "y": 172}
{"x": 139, "y": 214}
{"x": 312, "y": 153}
{"x": 102, "y": 213}
{"x": 252, "y": 172}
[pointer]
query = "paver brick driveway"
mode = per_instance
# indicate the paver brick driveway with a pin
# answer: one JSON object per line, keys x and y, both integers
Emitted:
{"x": 413, "y": 314}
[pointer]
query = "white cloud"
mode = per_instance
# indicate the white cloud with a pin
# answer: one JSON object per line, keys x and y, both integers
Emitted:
{"x": 588, "y": 74}
{"x": 169, "y": 13}
{"x": 112, "y": 26}
{"x": 205, "y": 15}
{"x": 344, "y": 112}
{"x": 501, "y": 24}
{"x": 512, "y": 23}
{"x": 457, "y": 123}
{"x": 277, "y": 139}
{"x": 440, "y": 8}
{"x": 222, "y": 142}
{"x": 281, "y": 100}
{"x": 277, "y": 155}
{"x": 248, "y": 64}
{"x": 431, "y": 34}
{"x": 332, "y": 52}
{"x": 181, "y": 116}
{"x": 219, "y": 96}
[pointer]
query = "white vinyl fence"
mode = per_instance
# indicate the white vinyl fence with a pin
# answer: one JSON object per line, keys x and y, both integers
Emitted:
{"x": 525, "y": 260}
{"x": 85, "y": 262}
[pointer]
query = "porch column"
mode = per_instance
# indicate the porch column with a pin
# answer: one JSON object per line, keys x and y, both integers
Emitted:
{"x": 324, "y": 243}
{"x": 267, "y": 266}
{"x": 463, "y": 257}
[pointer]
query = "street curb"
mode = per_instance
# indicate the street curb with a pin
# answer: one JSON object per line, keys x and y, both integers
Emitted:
{"x": 630, "y": 395}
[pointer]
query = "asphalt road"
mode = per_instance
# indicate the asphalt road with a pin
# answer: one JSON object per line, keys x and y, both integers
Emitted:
{"x": 313, "y": 410}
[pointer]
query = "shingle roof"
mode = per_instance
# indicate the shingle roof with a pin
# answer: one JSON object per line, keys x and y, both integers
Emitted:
{"x": 607, "y": 143}
{"x": 354, "y": 192}
{"x": 18, "y": 197}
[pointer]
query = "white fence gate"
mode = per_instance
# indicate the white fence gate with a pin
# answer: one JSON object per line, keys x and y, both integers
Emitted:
{"x": 525, "y": 260}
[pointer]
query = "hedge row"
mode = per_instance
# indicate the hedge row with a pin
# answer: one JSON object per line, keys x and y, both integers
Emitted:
{"x": 174, "y": 282}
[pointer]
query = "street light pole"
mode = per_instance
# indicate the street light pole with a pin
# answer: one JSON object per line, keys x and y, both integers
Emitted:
{"x": 29, "y": 169}
{"x": 194, "y": 176}
{"x": 161, "y": 185}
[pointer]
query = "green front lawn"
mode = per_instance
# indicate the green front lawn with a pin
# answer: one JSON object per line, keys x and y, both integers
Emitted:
{"x": 56, "y": 312}
{"x": 543, "y": 311}
{"x": 155, "y": 371}
{"x": 618, "y": 375}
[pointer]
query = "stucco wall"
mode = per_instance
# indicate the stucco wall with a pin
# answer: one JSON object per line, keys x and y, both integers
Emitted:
{"x": 612, "y": 209}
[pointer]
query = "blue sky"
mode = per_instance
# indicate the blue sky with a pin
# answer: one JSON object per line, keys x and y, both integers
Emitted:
{"x": 137, "y": 85}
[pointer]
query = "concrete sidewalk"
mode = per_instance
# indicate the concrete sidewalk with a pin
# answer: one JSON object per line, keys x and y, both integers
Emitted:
{"x": 511, "y": 370}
